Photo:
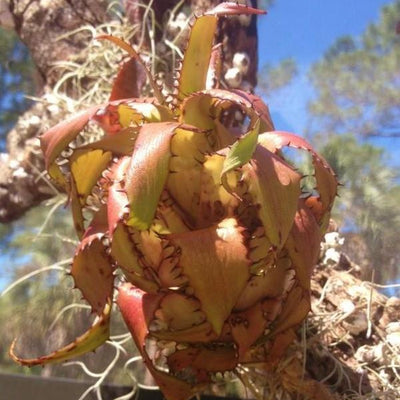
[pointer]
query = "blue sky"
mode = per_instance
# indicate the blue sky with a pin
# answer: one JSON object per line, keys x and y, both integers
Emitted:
{"x": 304, "y": 30}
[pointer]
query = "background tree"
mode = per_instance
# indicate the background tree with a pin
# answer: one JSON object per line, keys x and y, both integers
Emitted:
{"x": 356, "y": 100}
{"x": 357, "y": 81}
{"x": 17, "y": 79}
{"x": 40, "y": 26}
{"x": 275, "y": 77}
{"x": 368, "y": 208}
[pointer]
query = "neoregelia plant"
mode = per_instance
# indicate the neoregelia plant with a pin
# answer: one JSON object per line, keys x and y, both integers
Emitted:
{"x": 194, "y": 202}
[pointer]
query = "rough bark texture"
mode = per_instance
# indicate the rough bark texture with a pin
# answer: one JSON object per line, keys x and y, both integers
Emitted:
{"x": 40, "y": 24}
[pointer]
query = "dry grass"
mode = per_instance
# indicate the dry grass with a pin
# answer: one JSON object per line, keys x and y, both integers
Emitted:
{"x": 353, "y": 334}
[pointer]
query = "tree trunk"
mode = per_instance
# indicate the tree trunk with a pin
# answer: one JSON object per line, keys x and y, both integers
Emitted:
{"x": 40, "y": 25}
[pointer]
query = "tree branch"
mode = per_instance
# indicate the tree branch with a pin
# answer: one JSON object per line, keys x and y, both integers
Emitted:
{"x": 39, "y": 24}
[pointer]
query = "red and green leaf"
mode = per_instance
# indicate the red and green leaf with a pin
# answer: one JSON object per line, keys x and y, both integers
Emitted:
{"x": 148, "y": 172}
{"x": 57, "y": 138}
{"x": 275, "y": 188}
{"x": 89, "y": 341}
{"x": 325, "y": 177}
{"x": 134, "y": 56}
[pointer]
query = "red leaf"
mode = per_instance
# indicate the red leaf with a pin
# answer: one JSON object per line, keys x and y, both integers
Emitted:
{"x": 129, "y": 81}
{"x": 137, "y": 316}
{"x": 303, "y": 244}
{"x": 260, "y": 108}
{"x": 92, "y": 267}
{"x": 57, "y": 138}
{"x": 325, "y": 177}
{"x": 137, "y": 309}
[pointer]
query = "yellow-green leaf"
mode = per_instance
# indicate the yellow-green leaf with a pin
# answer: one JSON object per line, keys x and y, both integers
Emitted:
{"x": 86, "y": 168}
{"x": 241, "y": 152}
{"x": 193, "y": 75}
{"x": 184, "y": 181}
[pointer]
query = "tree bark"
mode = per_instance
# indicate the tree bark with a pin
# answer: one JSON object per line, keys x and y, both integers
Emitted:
{"x": 42, "y": 25}
{"x": 39, "y": 24}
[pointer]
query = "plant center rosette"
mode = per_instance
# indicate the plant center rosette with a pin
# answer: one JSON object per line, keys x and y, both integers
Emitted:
{"x": 195, "y": 203}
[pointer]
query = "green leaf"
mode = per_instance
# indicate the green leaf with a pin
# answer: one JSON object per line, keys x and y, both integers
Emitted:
{"x": 241, "y": 152}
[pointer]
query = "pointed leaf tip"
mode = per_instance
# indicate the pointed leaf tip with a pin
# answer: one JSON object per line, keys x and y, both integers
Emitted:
{"x": 195, "y": 64}
{"x": 94, "y": 337}
{"x": 215, "y": 261}
{"x": 148, "y": 172}
{"x": 57, "y": 138}
{"x": 133, "y": 53}
{"x": 129, "y": 81}
{"x": 241, "y": 152}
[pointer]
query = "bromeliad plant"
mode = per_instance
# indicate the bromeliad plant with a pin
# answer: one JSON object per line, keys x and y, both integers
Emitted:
{"x": 193, "y": 200}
